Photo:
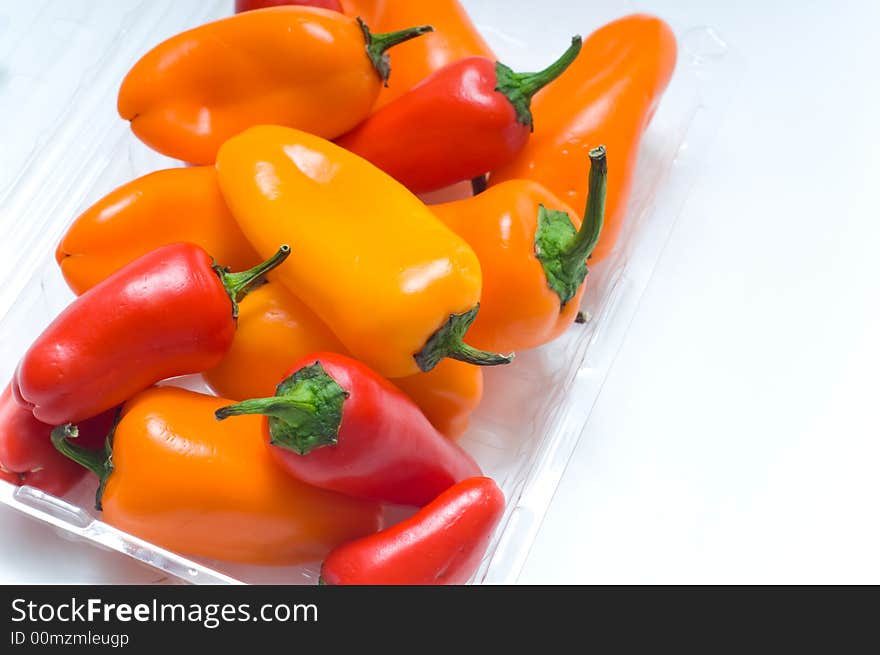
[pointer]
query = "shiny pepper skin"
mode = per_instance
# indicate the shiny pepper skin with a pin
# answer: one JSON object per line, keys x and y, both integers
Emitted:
{"x": 443, "y": 543}
{"x": 168, "y": 206}
{"x": 26, "y": 452}
{"x": 168, "y": 313}
{"x": 448, "y": 395}
{"x": 275, "y": 328}
{"x": 336, "y": 424}
{"x": 309, "y": 68}
{"x": 396, "y": 286}
{"x": 185, "y": 482}
{"x": 454, "y": 37}
{"x": 607, "y": 96}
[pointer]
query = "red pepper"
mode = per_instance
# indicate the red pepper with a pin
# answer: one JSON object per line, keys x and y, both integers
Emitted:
{"x": 170, "y": 312}
{"x": 248, "y": 5}
{"x": 460, "y": 122}
{"x": 442, "y": 543}
{"x": 338, "y": 425}
{"x": 27, "y": 455}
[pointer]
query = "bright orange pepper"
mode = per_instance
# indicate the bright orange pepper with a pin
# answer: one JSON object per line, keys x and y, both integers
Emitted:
{"x": 276, "y": 329}
{"x": 533, "y": 249}
{"x": 168, "y": 206}
{"x": 454, "y": 38}
{"x": 186, "y": 482}
{"x": 298, "y": 66}
{"x": 607, "y": 96}
{"x": 395, "y": 285}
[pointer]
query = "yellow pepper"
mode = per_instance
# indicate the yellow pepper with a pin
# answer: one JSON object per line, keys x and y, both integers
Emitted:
{"x": 397, "y": 287}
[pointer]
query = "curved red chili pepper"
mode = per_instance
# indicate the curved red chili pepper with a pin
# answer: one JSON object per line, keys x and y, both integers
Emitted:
{"x": 460, "y": 122}
{"x": 171, "y": 312}
{"x": 442, "y": 543}
{"x": 336, "y": 424}
{"x": 27, "y": 455}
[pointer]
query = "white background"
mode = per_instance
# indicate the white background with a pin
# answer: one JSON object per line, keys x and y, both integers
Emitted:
{"x": 736, "y": 436}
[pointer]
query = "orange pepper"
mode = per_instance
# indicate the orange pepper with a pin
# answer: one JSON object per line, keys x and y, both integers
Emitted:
{"x": 395, "y": 285}
{"x": 447, "y": 394}
{"x": 298, "y": 66}
{"x": 186, "y": 482}
{"x": 276, "y": 329}
{"x": 454, "y": 38}
{"x": 608, "y": 96}
{"x": 168, "y": 206}
{"x": 533, "y": 250}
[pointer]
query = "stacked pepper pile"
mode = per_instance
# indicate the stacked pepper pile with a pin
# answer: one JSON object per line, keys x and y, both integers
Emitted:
{"x": 346, "y": 350}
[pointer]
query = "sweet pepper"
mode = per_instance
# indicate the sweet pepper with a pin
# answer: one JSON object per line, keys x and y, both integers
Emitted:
{"x": 395, "y": 285}
{"x": 310, "y": 68}
{"x": 608, "y": 96}
{"x": 173, "y": 475}
{"x": 275, "y": 328}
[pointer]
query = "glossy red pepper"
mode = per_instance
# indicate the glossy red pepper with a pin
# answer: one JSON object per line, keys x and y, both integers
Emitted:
{"x": 170, "y": 312}
{"x": 249, "y": 5}
{"x": 336, "y": 424}
{"x": 27, "y": 455}
{"x": 460, "y": 122}
{"x": 443, "y": 543}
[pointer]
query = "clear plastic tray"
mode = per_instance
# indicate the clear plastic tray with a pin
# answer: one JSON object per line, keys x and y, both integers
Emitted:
{"x": 58, "y": 87}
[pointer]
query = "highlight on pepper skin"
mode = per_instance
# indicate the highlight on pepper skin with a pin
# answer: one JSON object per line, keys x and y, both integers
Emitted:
{"x": 336, "y": 424}
{"x": 317, "y": 70}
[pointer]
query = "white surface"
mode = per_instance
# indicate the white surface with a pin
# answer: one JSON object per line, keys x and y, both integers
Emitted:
{"x": 735, "y": 439}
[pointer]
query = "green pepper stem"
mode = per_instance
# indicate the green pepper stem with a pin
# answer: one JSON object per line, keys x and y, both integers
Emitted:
{"x": 377, "y": 44}
{"x": 305, "y": 413}
{"x": 594, "y": 214}
{"x": 562, "y": 249}
{"x": 238, "y": 285}
{"x": 521, "y": 87}
{"x": 99, "y": 462}
{"x": 531, "y": 83}
{"x": 447, "y": 341}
